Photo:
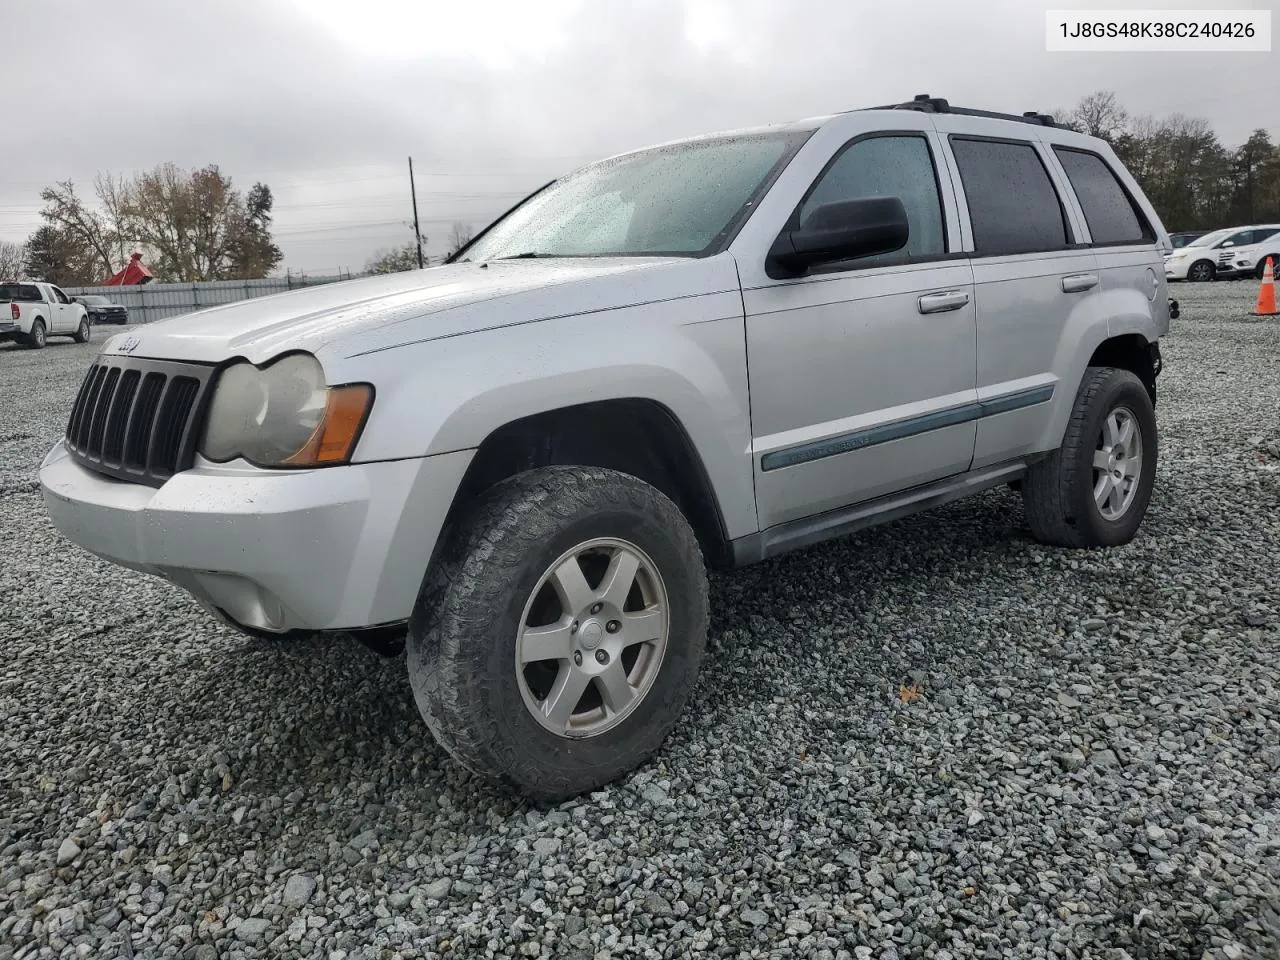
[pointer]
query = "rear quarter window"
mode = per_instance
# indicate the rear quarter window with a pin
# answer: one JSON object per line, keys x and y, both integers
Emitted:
{"x": 1109, "y": 211}
{"x": 1013, "y": 205}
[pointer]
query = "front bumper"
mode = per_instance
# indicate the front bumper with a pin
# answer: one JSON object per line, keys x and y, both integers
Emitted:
{"x": 341, "y": 548}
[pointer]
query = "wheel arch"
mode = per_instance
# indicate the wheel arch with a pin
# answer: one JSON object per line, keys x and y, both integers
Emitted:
{"x": 1132, "y": 352}
{"x": 652, "y": 444}
{"x": 1095, "y": 344}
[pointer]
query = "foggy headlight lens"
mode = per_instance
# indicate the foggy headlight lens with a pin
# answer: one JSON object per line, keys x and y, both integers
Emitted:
{"x": 283, "y": 415}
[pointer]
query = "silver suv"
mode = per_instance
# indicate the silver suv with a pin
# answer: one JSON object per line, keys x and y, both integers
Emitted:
{"x": 705, "y": 353}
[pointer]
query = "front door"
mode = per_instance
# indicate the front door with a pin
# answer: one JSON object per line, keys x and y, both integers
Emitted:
{"x": 862, "y": 372}
{"x": 63, "y": 314}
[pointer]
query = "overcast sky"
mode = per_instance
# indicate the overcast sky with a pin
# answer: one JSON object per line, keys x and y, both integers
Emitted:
{"x": 324, "y": 100}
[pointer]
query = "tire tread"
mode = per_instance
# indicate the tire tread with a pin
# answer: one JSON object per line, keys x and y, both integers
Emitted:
{"x": 497, "y": 534}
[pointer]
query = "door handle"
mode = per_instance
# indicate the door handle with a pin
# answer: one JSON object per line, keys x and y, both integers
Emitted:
{"x": 1079, "y": 282}
{"x": 941, "y": 302}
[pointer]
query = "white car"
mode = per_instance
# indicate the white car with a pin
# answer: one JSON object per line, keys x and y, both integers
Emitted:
{"x": 1223, "y": 253}
{"x": 1250, "y": 259}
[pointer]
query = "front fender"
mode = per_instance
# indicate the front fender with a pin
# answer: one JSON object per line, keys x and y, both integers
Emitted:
{"x": 688, "y": 355}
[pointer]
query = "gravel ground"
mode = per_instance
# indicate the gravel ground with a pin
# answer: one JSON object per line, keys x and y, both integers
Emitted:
{"x": 1092, "y": 768}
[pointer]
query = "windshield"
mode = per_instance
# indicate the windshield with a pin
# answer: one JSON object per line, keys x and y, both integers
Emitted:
{"x": 679, "y": 200}
{"x": 93, "y": 301}
{"x": 1209, "y": 238}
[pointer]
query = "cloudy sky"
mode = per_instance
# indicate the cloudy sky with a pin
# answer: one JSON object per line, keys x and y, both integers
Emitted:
{"x": 325, "y": 99}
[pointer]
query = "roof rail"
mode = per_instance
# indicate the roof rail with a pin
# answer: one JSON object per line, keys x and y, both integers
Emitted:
{"x": 927, "y": 104}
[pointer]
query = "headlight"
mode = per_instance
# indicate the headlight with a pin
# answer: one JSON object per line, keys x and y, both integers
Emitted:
{"x": 284, "y": 415}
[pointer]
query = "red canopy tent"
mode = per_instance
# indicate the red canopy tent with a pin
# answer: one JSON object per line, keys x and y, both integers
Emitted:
{"x": 134, "y": 273}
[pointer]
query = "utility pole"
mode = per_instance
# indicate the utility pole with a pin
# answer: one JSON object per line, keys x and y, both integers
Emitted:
{"x": 417, "y": 233}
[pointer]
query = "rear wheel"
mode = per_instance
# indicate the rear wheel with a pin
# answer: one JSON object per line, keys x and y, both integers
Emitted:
{"x": 556, "y": 640}
{"x": 1201, "y": 272}
{"x": 36, "y": 338}
{"x": 83, "y": 332}
{"x": 1093, "y": 491}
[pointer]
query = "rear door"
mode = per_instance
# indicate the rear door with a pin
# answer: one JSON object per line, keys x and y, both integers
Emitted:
{"x": 1130, "y": 264}
{"x": 1033, "y": 275}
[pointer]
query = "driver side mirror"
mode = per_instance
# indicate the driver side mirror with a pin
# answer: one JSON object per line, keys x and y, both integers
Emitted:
{"x": 840, "y": 231}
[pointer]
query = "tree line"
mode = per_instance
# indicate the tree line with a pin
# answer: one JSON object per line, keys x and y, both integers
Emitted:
{"x": 1194, "y": 181}
{"x": 190, "y": 225}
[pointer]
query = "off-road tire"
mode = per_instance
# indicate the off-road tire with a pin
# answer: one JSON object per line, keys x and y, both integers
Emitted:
{"x": 83, "y": 332}
{"x": 463, "y": 632}
{"x": 1057, "y": 492}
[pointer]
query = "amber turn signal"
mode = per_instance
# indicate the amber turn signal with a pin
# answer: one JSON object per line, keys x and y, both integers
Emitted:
{"x": 334, "y": 439}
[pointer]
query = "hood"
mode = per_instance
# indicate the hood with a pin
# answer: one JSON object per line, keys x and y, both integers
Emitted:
{"x": 378, "y": 313}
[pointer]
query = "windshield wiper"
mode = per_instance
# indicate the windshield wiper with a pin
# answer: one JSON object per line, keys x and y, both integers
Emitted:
{"x": 528, "y": 255}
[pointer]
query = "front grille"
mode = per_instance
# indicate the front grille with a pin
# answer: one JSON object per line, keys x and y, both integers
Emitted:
{"x": 136, "y": 419}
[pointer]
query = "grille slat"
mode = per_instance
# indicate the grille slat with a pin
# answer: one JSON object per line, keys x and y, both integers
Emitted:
{"x": 91, "y": 404}
{"x": 100, "y": 409}
{"x": 138, "y": 430}
{"x": 77, "y": 409}
{"x": 118, "y": 416}
{"x": 169, "y": 423}
{"x": 137, "y": 419}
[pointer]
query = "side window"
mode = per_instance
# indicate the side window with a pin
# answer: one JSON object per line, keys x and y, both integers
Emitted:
{"x": 62, "y": 297}
{"x": 1241, "y": 239}
{"x": 1108, "y": 210}
{"x": 1012, "y": 204}
{"x": 888, "y": 166}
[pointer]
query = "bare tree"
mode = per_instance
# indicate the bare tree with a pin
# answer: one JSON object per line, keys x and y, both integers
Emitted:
{"x": 196, "y": 225}
{"x": 459, "y": 236}
{"x": 1100, "y": 115}
{"x": 13, "y": 258}
{"x": 67, "y": 212}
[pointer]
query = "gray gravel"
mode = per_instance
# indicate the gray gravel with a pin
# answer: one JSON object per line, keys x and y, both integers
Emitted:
{"x": 1092, "y": 768}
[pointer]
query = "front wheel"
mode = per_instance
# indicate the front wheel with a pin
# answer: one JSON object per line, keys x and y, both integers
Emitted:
{"x": 83, "y": 333}
{"x": 556, "y": 640}
{"x": 1093, "y": 491}
{"x": 1201, "y": 272}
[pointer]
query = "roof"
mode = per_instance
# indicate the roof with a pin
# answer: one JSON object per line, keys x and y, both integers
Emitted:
{"x": 922, "y": 103}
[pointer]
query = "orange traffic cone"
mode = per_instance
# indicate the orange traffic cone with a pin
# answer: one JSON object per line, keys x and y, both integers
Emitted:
{"x": 1267, "y": 293}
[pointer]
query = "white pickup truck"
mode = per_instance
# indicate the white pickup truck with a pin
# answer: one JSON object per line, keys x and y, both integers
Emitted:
{"x": 33, "y": 311}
